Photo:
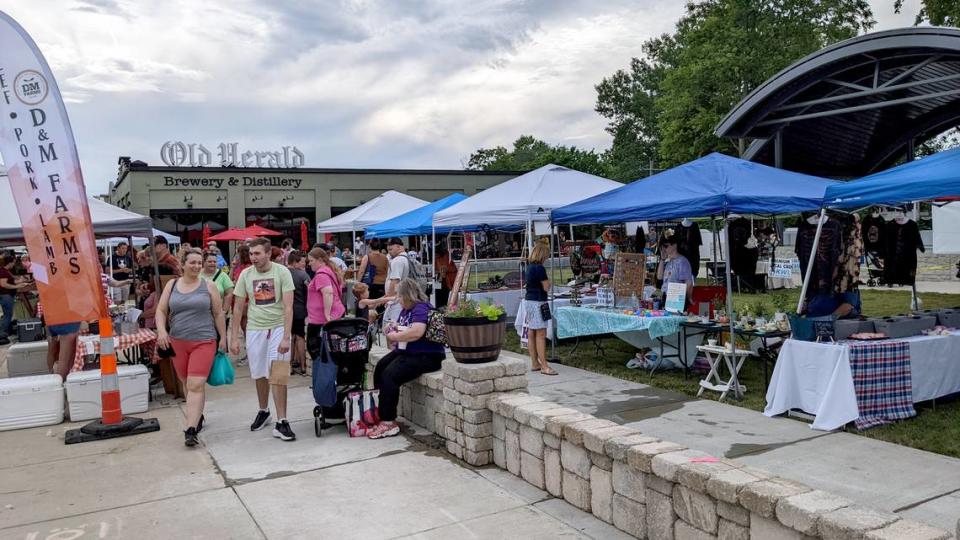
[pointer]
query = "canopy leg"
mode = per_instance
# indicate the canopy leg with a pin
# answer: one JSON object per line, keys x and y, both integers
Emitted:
{"x": 813, "y": 254}
{"x": 734, "y": 380}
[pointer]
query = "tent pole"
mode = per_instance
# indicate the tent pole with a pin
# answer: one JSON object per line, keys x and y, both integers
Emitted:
{"x": 156, "y": 267}
{"x": 734, "y": 380}
{"x": 353, "y": 242}
{"x": 716, "y": 261}
{"x": 433, "y": 257}
{"x": 813, "y": 254}
{"x": 553, "y": 308}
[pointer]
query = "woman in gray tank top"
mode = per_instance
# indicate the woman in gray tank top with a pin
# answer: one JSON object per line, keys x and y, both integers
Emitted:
{"x": 189, "y": 319}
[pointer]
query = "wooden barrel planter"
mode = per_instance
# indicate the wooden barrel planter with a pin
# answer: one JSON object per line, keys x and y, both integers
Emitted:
{"x": 475, "y": 340}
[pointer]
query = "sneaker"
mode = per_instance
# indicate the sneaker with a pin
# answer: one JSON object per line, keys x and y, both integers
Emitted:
{"x": 260, "y": 421}
{"x": 190, "y": 437}
{"x": 200, "y": 424}
{"x": 384, "y": 429}
{"x": 282, "y": 431}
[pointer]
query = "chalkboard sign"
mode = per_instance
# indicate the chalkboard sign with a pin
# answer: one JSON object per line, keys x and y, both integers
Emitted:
{"x": 629, "y": 274}
{"x": 824, "y": 330}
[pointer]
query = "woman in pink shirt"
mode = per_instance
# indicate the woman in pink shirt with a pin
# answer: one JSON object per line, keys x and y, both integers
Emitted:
{"x": 324, "y": 295}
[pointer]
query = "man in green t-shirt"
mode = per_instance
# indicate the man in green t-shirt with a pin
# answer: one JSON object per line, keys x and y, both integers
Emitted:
{"x": 268, "y": 290}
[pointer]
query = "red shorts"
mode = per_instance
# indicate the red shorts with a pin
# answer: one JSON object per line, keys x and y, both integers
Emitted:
{"x": 193, "y": 358}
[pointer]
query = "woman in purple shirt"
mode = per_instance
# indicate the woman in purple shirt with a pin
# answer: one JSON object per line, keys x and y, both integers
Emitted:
{"x": 413, "y": 356}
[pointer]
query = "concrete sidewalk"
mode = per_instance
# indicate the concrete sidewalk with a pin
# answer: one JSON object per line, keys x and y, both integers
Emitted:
{"x": 915, "y": 484}
{"x": 243, "y": 485}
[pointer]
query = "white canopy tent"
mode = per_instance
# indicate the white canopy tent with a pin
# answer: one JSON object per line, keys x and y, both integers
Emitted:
{"x": 108, "y": 220}
{"x": 524, "y": 200}
{"x": 387, "y": 205}
{"x": 140, "y": 240}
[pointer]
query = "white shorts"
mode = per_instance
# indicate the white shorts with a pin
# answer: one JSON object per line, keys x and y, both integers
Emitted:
{"x": 262, "y": 348}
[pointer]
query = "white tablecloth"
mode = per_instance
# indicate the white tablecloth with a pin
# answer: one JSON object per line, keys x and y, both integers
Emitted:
{"x": 816, "y": 377}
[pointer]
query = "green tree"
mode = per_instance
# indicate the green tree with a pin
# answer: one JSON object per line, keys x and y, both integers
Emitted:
{"x": 937, "y": 12}
{"x": 529, "y": 153}
{"x": 626, "y": 98}
{"x": 671, "y": 100}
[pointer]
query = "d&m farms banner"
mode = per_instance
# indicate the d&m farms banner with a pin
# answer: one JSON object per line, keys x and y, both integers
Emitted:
{"x": 40, "y": 156}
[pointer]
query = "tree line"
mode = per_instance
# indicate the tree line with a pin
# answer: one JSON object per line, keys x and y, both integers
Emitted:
{"x": 661, "y": 110}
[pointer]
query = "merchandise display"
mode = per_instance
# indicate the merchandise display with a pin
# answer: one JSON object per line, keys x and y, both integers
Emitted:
{"x": 689, "y": 240}
{"x": 902, "y": 240}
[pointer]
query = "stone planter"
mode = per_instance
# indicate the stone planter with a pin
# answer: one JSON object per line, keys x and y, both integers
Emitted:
{"x": 475, "y": 340}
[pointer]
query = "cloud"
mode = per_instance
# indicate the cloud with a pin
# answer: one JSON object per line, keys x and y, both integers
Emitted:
{"x": 353, "y": 83}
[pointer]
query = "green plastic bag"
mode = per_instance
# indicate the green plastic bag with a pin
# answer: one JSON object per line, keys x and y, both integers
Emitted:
{"x": 222, "y": 370}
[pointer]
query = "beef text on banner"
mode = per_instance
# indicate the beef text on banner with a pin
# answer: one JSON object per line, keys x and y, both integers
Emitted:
{"x": 43, "y": 169}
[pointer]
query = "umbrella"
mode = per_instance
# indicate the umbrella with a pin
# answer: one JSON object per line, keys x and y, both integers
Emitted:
{"x": 231, "y": 234}
{"x": 256, "y": 230}
{"x": 303, "y": 236}
{"x": 205, "y": 235}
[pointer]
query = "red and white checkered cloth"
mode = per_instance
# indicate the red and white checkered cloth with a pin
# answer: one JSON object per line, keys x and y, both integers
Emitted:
{"x": 883, "y": 382}
{"x": 125, "y": 341}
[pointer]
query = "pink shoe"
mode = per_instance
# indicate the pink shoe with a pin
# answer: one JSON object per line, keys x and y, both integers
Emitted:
{"x": 384, "y": 429}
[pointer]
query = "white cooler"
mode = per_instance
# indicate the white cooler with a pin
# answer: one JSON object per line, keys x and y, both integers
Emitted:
{"x": 30, "y": 401}
{"x": 83, "y": 392}
{"x": 27, "y": 359}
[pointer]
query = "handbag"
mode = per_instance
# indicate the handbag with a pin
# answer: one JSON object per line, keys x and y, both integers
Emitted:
{"x": 370, "y": 407}
{"x": 356, "y": 427}
{"x": 362, "y": 411}
{"x": 436, "y": 328}
{"x": 164, "y": 353}
{"x": 324, "y": 375}
{"x": 221, "y": 372}
{"x": 545, "y": 312}
{"x": 369, "y": 274}
{"x": 167, "y": 352}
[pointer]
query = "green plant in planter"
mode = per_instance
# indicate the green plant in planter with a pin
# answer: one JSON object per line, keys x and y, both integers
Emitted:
{"x": 760, "y": 310}
{"x": 472, "y": 308}
{"x": 781, "y": 303}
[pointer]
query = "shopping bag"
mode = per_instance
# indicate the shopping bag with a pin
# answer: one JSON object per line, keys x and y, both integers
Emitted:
{"x": 221, "y": 372}
{"x": 324, "y": 376}
{"x": 370, "y": 407}
{"x": 355, "y": 424}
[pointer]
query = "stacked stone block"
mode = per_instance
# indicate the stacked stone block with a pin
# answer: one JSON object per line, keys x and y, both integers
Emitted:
{"x": 655, "y": 489}
{"x": 422, "y": 402}
{"x": 645, "y": 487}
{"x": 467, "y": 424}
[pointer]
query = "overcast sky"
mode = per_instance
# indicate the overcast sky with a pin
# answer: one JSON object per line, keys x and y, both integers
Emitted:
{"x": 352, "y": 83}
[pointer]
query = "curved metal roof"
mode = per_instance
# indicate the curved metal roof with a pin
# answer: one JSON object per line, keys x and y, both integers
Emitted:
{"x": 856, "y": 106}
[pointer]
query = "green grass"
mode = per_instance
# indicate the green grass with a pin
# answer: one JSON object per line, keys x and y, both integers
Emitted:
{"x": 935, "y": 429}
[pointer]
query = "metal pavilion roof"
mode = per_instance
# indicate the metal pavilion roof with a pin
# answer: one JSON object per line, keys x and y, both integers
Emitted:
{"x": 855, "y": 107}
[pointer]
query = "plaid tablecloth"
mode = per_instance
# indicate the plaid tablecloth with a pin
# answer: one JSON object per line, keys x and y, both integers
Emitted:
{"x": 125, "y": 341}
{"x": 882, "y": 379}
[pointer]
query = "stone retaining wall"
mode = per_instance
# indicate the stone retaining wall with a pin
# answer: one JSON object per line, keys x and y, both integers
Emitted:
{"x": 645, "y": 487}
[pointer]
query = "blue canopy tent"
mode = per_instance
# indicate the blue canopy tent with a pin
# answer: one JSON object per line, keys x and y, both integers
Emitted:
{"x": 413, "y": 223}
{"x": 932, "y": 177}
{"x": 714, "y": 185}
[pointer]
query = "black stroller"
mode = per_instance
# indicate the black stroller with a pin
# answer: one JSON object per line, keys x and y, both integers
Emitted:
{"x": 348, "y": 341}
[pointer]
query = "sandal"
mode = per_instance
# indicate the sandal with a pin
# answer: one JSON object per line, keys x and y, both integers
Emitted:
{"x": 535, "y": 369}
{"x": 548, "y": 371}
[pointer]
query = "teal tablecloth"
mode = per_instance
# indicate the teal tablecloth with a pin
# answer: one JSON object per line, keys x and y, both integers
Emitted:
{"x": 582, "y": 321}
